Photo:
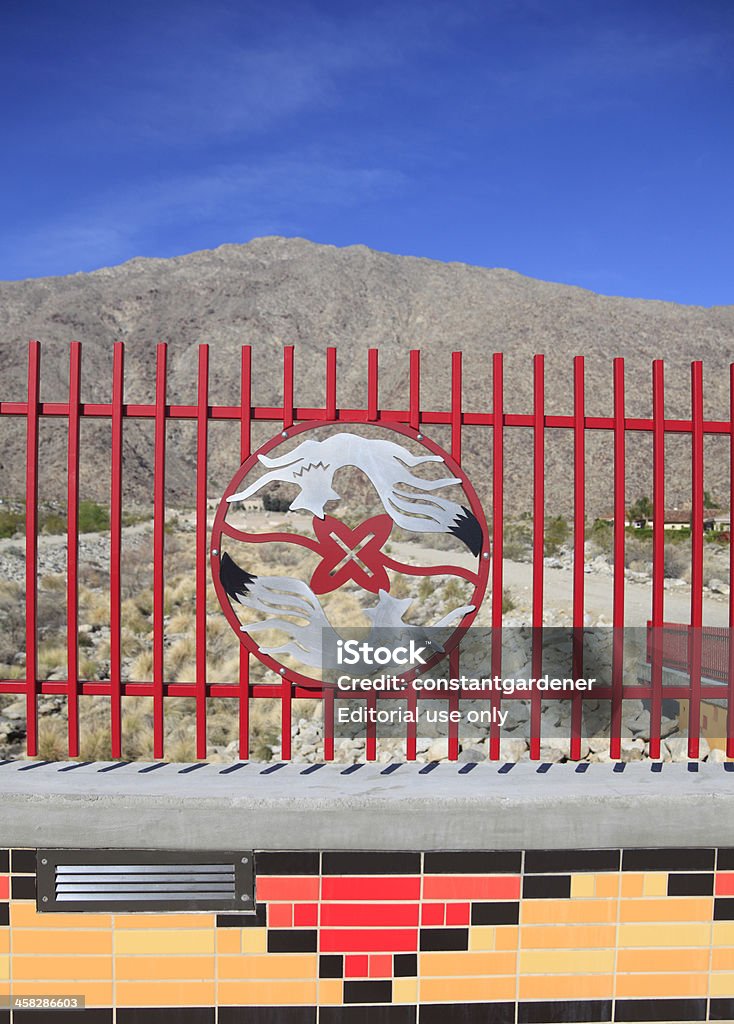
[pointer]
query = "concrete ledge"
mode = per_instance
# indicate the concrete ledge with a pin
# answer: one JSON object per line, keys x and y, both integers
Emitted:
{"x": 368, "y": 807}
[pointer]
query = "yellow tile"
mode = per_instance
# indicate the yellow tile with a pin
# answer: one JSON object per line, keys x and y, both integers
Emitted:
{"x": 723, "y": 934}
{"x": 266, "y": 993}
{"x": 405, "y": 990}
{"x": 466, "y": 990}
{"x": 607, "y": 885}
{"x": 655, "y": 883}
{"x": 229, "y": 940}
{"x": 722, "y": 960}
{"x": 166, "y": 993}
{"x": 254, "y": 940}
{"x": 506, "y": 936}
{"x": 24, "y": 915}
{"x": 635, "y": 986}
{"x": 721, "y": 985}
{"x": 95, "y": 993}
{"x": 66, "y": 968}
{"x": 582, "y": 886}
{"x": 164, "y": 943}
{"x": 567, "y": 986}
{"x": 166, "y": 968}
{"x": 568, "y": 937}
{"x": 482, "y": 936}
{"x": 331, "y": 991}
{"x": 662, "y": 960}
{"x": 681, "y": 935}
{"x": 632, "y": 884}
{"x": 578, "y": 961}
{"x": 677, "y": 908}
{"x": 166, "y": 921}
{"x": 569, "y": 912}
{"x": 466, "y": 965}
{"x": 292, "y": 965}
{"x": 62, "y": 943}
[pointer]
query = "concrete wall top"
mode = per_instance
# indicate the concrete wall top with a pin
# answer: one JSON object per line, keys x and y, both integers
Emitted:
{"x": 369, "y": 807}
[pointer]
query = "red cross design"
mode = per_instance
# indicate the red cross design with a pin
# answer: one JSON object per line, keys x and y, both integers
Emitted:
{"x": 348, "y": 554}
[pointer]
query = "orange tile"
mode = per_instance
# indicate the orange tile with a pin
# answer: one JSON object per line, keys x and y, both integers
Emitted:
{"x": 664, "y": 935}
{"x": 266, "y": 993}
{"x": 568, "y": 937}
{"x": 165, "y": 943}
{"x": 95, "y": 993}
{"x": 229, "y": 940}
{"x": 506, "y": 936}
{"x": 167, "y": 968}
{"x": 4, "y": 940}
{"x": 24, "y": 915}
{"x": 663, "y": 960}
{"x": 632, "y": 884}
{"x": 405, "y": 990}
{"x": 568, "y": 961}
{"x": 331, "y": 992}
{"x": 462, "y": 965}
{"x": 567, "y": 986}
{"x": 466, "y": 990}
{"x": 63, "y": 943}
{"x": 635, "y": 986}
{"x": 721, "y": 985}
{"x": 568, "y": 911}
{"x": 722, "y": 959}
{"x": 164, "y": 993}
{"x": 380, "y": 966}
{"x": 165, "y": 921}
{"x": 678, "y": 908}
{"x": 282, "y": 965}
{"x": 66, "y": 968}
{"x": 607, "y": 886}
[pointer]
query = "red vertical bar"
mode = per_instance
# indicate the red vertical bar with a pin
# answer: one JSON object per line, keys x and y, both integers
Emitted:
{"x": 371, "y": 728}
{"x": 454, "y": 657}
{"x": 159, "y": 523}
{"x": 72, "y": 550}
{"x": 411, "y": 732}
{"x": 579, "y": 526}
{"x": 415, "y": 389}
{"x": 287, "y": 387}
{"x": 245, "y": 449}
{"x": 331, "y": 383}
{"x": 372, "y": 384}
{"x": 31, "y": 547}
{"x": 118, "y": 362}
{"x": 620, "y": 515}
{"x": 658, "y": 552}
{"x": 497, "y": 545}
{"x": 202, "y": 432}
{"x": 286, "y": 691}
{"x": 730, "y": 699}
{"x": 694, "y": 713}
{"x": 538, "y": 546}
{"x": 329, "y": 695}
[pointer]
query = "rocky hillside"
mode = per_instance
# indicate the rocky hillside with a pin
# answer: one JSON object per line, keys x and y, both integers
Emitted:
{"x": 277, "y": 291}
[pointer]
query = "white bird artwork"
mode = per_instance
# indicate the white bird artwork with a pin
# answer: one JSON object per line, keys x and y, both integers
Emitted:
{"x": 410, "y": 500}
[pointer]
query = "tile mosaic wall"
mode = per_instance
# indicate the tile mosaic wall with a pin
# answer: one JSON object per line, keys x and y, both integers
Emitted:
{"x": 397, "y": 938}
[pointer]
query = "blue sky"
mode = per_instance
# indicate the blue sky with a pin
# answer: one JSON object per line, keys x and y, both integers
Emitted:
{"x": 585, "y": 142}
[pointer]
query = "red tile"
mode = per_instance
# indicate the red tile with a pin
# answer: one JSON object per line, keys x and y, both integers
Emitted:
{"x": 725, "y": 883}
{"x": 280, "y": 887}
{"x": 369, "y": 915}
{"x": 381, "y": 966}
{"x": 457, "y": 913}
{"x": 471, "y": 887}
{"x": 432, "y": 913}
{"x": 280, "y": 915}
{"x": 4, "y": 887}
{"x": 355, "y": 966}
{"x": 306, "y": 915}
{"x": 376, "y": 940}
{"x": 385, "y": 887}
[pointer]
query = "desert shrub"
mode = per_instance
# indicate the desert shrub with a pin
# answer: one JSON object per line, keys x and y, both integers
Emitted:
{"x": 11, "y": 522}
{"x": 508, "y": 602}
{"x": 601, "y": 536}
{"x": 557, "y": 532}
{"x": 93, "y": 518}
{"x": 676, "y": 560}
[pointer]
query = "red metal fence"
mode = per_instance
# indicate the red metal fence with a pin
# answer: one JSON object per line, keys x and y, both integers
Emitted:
{"x": 495, "y": 420}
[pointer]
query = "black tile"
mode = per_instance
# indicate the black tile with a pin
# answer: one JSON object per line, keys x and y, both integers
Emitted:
{"x": 503, "y": 912}
{"x": 166, "y": 1015}
{"x": 358, "y": 863}
{"x": 4, "y": 1016}
{"x": 545, "y": 862}
{"x": 23, "y": 862}
{"x": 725, "y": 859}
{"x": 289, "y": 940}
{"x": 468, "y": 1013}
{"x": 405, "y": 965}
{"x": 473, "y": 862}
{"x": 690, "y": 885}
{"x": 437, "y": 939}
{"x": 724, "y": 910}
{"x": 629, "y": 1010}
{"x": 96, "y": 1016}
{"x": 284, "y": 862}
{"x": 256, "y": 920}
{"x": 265, "y": 1015}
{"x": 4, "y": 861}
{"x": 331, "y": 966}
{"x": 23, "y": 887}
{"x": 4, "y": 914}
{"x": 721, "y": 1009}
{"x": 546, "y": 887}
{"x": 367, "y": 991}
{"x": 668, "y": 860}
{"x": 360, "y": 1015}
{"x": 578, "y": 1011}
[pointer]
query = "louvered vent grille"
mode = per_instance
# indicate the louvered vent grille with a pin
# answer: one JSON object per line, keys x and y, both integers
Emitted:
{"x": 79, "y": 880}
